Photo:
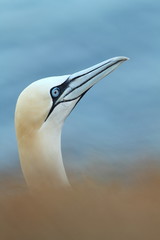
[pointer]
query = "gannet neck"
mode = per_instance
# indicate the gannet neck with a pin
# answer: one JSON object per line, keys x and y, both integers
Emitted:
{"x": 41, "y": 158}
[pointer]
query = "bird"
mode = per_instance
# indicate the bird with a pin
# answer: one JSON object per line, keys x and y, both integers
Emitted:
{"x": 40, "y": 112}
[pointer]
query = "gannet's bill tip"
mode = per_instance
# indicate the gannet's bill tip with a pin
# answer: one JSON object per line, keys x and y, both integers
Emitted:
{"x": 121, "y": 58}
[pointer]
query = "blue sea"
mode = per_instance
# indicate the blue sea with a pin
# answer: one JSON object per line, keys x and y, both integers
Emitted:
{"x": 119, "y": 118}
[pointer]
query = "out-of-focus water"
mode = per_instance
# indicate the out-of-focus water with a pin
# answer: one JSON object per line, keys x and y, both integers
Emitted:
{"x": 120, "y": 117}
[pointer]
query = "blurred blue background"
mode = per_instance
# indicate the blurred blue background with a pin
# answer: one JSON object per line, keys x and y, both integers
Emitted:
{"x": 119, "y": 119}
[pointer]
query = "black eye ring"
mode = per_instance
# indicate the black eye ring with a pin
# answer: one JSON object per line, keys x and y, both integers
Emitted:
{"x": 55, "y": 92}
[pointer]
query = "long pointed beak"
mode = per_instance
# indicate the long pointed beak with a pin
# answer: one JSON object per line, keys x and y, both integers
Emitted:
{"x": 80, "y": 82}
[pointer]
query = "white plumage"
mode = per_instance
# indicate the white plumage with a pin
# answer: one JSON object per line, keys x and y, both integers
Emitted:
{"x": 41, "y": 110}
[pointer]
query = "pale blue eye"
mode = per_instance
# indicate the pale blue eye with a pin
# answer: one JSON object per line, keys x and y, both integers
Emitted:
{"x": 55, "y": 92}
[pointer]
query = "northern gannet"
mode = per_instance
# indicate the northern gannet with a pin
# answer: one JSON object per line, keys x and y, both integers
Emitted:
{"x": 40, "y": 112}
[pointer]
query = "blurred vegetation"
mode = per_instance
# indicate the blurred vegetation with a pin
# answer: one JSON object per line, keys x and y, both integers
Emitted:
{"x": 126, "y": 206}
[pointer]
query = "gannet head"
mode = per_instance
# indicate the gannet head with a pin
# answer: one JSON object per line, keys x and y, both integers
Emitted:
{"x": 50, "y": 100}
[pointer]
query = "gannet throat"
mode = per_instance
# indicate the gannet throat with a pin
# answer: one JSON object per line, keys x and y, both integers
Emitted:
{"x": 41, "y": 110}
